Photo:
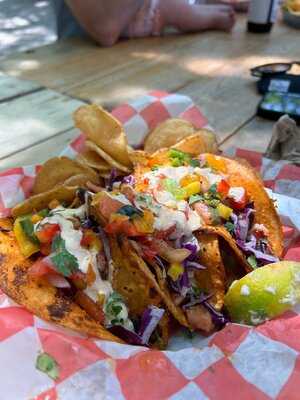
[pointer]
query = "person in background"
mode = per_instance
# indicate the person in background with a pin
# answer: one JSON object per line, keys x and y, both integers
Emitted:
{"x": 108, "y": 21}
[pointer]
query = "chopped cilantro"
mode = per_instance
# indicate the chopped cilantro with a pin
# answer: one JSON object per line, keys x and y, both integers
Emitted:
{"x": 230, "y": 227}
{"x": 64, "y": 261}
{"x": 194, "y": 163}
{"x": 252, "y": 261}
{"x": 28, "y": 228}
{"x": 116, "y": 309}
{"x": 178, "y": 157}
{"x": 130, "y": 211}
{"x": 213, "y": 189}
{"x": 44, "y": 213}
{"x": 48, "y": 365}
{"x": 194, "y": 198}
{"x": 176, "y": 162}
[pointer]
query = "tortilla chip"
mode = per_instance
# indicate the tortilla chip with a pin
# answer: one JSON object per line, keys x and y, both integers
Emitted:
{"x": 39, "y": 297}
{"x": 239, "y": 174}
{"x": 77, "y": 180}
{"x": 194, "y": 145}
{"x": 104, "y": 131}
{"x": 113, "y": 163}
{"x": 211, "y": 279}
{"x": 168, "y": 133}
{"x": 139, "y": 157}
{"x": 38, "y": 202}
{"x": 57, "y": 170}
{"x": 130, "y": 282}
{"x": 93, "y": 160}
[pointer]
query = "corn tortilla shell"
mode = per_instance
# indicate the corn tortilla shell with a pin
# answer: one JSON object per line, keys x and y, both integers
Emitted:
{"x": 240, "y": 174}
{"x": 211, "y": 279}
{"x": 130, "y": 282}
{"x": 39, "y": 297}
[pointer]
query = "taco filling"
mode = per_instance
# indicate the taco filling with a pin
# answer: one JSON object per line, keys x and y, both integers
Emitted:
{"x": 73, "y": 253}
{"x": 164, "y": 206}
{"x": 147, "y": 249}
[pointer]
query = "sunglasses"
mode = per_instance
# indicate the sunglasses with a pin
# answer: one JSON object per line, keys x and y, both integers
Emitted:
{"x": 272, "y": 69}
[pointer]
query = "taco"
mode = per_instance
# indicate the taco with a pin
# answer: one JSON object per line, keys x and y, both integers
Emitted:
{"x": 59, "y": 263}
{"x": 181, "y": 212}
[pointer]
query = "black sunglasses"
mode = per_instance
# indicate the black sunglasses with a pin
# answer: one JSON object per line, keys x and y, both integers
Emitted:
{"x": 272, "y": 69}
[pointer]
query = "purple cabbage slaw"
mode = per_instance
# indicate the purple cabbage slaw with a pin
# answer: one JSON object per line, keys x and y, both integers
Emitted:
{"x": 248, "y": 243}
{"x": 148, "y": 323}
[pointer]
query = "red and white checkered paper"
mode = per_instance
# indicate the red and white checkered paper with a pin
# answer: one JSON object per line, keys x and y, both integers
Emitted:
{"x": 238, "y": 362}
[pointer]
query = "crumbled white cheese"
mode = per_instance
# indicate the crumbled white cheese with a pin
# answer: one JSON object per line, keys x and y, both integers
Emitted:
{"x": 236, "y": 193}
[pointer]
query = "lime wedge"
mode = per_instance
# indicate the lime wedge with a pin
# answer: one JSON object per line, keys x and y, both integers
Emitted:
{"x": 264, "y": 293}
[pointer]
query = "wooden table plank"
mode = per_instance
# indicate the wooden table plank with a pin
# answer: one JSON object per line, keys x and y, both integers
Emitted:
{"x": 11, "y": 87}
{"x": 212, "y": 68}
{"x": 32, "y": 119}
{"x": 40, "y": 152}
{"x": 72, "y": 62}
{"x": 255, "y": 136}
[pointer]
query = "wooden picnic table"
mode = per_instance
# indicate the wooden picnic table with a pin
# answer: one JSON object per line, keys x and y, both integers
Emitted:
{"x": 40, "y": 89}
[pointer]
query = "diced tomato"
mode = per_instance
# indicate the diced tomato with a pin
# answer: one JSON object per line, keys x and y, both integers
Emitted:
{"x": 41, "y": 267}
{"x": 79, "y": 280}
{"x": 203, "y": 210}
{"x": 106, "y": 204}
{"x": 149, "y": 253}
{"x": 146, "y": 181}
{"x": 223, "y": 188}
{"x": 45, "y": 248}
{"x": 121, "y": 226}
{"x": 87, "y": 237}
{"x": 238, "y": 198}
{"x": 93, "y": 309}
{"x": 47, "y": 233}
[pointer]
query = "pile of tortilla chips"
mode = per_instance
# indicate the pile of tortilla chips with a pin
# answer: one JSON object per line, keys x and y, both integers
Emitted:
{"x": 140, "y": 285}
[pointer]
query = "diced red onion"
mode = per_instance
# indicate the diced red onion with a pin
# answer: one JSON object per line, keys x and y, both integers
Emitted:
{"x": 150, "y": 319}
{"x": 125, "y": 334}
{"x": 129, "y": 180}
{"x": 194, "y": 265}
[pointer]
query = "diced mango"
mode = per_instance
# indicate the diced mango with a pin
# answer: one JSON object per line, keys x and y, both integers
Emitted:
{"x": 36, "y": 218}
{"x": 145, "y": 223}
{"x": 224, "y": 211}
{"x": 192, "y": 188}
{"x": 175, "y": 271}
{"x": 26, "y": 246}
{"x": 216, "y": 163}
{"x": 186, "y": 180}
